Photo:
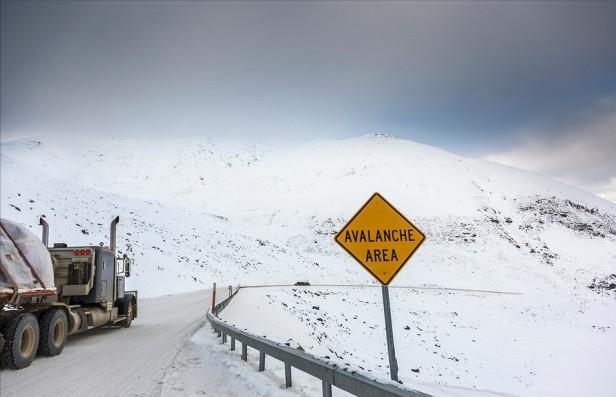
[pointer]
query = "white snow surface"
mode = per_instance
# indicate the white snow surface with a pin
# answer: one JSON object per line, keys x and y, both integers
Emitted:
{"x": 204, "y": 367}
{"x": 194, "y": 211}
{"x": 454, "y": 343}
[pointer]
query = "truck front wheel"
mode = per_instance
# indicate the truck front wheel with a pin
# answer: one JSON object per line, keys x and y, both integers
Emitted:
{"x": 130, "y": 313}
{"x": 22, "y": 338}
{"x": 54, "y": 327}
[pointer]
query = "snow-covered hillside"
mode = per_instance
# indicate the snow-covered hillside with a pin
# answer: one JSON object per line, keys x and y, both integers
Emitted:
{"x": 199, "y": 209}
{"x": 175, "y": 250}
{"x": 194, "y": 211}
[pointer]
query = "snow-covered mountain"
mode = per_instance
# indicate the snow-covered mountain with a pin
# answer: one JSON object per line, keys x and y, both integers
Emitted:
{"x": 199, "y": 210}
{"x": 194, "y": 211}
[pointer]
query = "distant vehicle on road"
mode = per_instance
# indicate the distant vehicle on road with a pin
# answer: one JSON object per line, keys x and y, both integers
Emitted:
{"x": 302, "y": 283}
{"x": 47, "y": 294}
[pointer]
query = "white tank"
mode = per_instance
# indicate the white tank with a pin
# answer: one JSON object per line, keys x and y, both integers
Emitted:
{"x": 25, "y": 263}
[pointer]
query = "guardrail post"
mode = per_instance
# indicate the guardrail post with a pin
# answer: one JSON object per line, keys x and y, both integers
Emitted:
{"x": 232, "y": 343}
{"x": 213, "y": 297}
{"x": 224, "y": 338}
{"x": 327, "y": 389}
{"x": 244, "y": 351}
{"x": 287, "y": 375}
{"x": 230, "y": 291}
{"x": 219, "y": 333}
{"x": 261, "y": 361}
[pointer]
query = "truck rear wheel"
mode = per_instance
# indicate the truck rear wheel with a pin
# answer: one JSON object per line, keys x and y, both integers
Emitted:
{"x": 2, "y": 339}
{"x": 22, "y": 338}
{"x": 54, "y": 328}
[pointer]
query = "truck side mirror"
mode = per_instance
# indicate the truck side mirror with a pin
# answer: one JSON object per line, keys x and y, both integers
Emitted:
{"x": 127, "y": 263}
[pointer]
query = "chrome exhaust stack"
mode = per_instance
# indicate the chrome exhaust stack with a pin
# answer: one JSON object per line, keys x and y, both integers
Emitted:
{"x": 45, "y": 226}
{"x": 112, "y": 243}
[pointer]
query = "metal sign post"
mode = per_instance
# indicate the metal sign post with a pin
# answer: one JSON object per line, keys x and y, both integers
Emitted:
{"x": 382, "y": 240}
{"x": 393, "y": 362}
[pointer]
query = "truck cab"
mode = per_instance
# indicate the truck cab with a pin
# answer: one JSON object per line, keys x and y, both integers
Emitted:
{"x": 92, "y": 275}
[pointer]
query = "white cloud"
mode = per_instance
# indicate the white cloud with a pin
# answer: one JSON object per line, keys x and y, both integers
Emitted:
{"x": 608, "y": 190}
{"x": 583, "y": 153}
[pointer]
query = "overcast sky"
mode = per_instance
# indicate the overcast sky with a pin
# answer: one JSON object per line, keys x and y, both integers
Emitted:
{"x": 529, "y": 84}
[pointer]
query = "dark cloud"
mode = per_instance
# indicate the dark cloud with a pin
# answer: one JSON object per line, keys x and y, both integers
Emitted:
{"x": 458, "y": 75}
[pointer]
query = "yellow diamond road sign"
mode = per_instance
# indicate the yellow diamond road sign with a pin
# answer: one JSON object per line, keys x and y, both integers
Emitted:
{"x": 380, "y": 238}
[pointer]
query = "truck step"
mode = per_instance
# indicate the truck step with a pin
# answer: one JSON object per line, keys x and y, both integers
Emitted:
{"x": 119, "y": 319}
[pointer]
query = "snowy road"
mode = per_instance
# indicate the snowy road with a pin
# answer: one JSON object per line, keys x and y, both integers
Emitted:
{"x": 116, "y": 361}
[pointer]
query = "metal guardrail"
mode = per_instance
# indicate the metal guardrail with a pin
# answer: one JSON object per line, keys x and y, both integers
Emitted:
{"x": 329, "y": 374}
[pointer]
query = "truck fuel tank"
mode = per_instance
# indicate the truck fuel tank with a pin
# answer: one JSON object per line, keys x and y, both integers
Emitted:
{"x": 84, "y": 318}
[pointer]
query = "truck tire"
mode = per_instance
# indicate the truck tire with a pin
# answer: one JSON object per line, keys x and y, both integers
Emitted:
{"x": 2, "y": 339}
{"x": 22, "y": 338}
{"x": 130, "y": 313}
{"x": 54, "y": 329}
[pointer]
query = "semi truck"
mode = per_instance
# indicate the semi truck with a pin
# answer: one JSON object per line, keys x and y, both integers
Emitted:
{"x": 49, "y": 293}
